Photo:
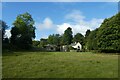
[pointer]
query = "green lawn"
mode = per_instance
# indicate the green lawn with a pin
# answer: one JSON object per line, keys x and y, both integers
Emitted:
{"x": 59, "y": 65}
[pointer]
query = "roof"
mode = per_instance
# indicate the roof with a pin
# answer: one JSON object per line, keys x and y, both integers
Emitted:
{"x": 50, "y": 45}
{"x": 73, "y": 44}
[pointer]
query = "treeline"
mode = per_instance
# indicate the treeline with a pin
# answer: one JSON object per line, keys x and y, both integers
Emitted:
{"x": 106, "y": 38}
{"x": 59, "y": 40}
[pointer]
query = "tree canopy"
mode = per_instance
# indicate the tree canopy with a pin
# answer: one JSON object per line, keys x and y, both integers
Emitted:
{"x": 54, "y": 39}
{"x": 23, "y": 31}
{"x": 67, "y": 36}
{"x": 3, "y": 27}
{"x": 91, "y": 40}
{"x": 43, "y": 42}
{"x": 87, "y": 33}
{"x": 79, "y": 38}
{"x": 107, "y": 37}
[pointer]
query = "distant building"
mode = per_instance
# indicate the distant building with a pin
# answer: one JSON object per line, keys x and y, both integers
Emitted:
{"x": 77, "y": 46}
{"x": 50, "y": 47}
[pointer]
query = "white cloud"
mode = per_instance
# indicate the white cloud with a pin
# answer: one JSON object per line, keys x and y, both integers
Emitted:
{"x": 75, "y": 15}
{"x": 46, "y": 24}
{"x": 75, "y": 19}
{"x": 76, "y": 28}
{"x": 7, "y": 33}
{"x": 44, "y": 36}
{"x": 61, "y": 28}
{"x": 78, "y": 23}
{"x": 94, "y": 23}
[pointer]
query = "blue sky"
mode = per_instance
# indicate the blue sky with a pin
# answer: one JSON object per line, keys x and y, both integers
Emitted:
{"x": 55, "y": 17}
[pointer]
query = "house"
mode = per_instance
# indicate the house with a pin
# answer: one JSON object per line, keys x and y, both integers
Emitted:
{"x": 77, "y": 46}
{"x": 50, "y": 47}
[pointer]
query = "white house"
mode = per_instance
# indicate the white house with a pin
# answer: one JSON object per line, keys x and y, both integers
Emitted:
{"x": 77, "y": 46}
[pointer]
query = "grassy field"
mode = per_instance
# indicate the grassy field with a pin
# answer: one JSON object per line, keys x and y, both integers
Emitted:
{"x": 59, "y": 65}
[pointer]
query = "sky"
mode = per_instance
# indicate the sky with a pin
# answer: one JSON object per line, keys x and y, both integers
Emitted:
{"x": 56, "y": 17}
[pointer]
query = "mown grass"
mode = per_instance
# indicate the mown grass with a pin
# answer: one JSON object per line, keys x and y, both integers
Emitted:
{"x": 59, "y": 65}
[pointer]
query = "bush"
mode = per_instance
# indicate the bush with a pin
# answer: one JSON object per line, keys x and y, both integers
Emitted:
{"x": 71, "y": 48}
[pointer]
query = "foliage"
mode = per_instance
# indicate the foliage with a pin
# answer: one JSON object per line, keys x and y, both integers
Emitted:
{"x": 23, "y": 31}
{"x": 14, "y": 35}
{"x": 86, "y": 40}
{"x": 54, "y": 39}
{"x": 43, "y": 42}
{"x": 91, "y": 40}
{"x": 107, "y": 37}
{"x": 3, "y": 27}
{"x": 36, "y": 43}
{"x": 71, "y": 48}
{"x": 79, "y": 38}
{"x": 67, "y": 36}
{"x": 4, "y": 38}
{"x": 87, "y": 33}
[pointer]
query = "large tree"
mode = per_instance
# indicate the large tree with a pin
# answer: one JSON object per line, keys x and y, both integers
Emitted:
{"x": 4, "y": 38}
{"x": 79, "y": 38}
{"x": 108, "y": 38}
{"x": 3, "y": 27}
{"x": 23, "y": 31}
{"x": 15, "y": 36}
{"x": 67, "y": 36}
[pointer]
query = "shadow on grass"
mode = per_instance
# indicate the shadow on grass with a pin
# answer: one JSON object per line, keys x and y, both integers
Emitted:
{"x": 23, "y": 52}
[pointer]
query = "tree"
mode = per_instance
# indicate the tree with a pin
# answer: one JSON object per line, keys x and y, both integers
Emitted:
{"x": 91, "y": 42}
{"x": 36, "y": 43}
{"x": 54, "y": 39}
{"x": 108, "y": 38}
{"x": 15, "y": 35}
{"x": 43, "y": 42}
{"x": 86, "y": 38}
{"x": 79, "y": 38}
{"x": 67, "y": 36}
{"x": 23, "y": 31}
{"x": 87, "y": 33}
{"x": 50, "y": 39}
{"x": 4, "y": 39}
{"x": 3, "y": 27}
